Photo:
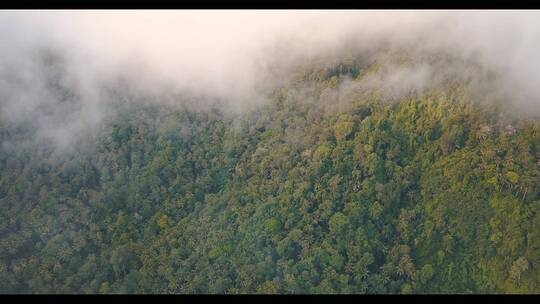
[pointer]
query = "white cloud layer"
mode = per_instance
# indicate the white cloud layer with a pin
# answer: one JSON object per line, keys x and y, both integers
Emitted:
{"x": 224, "y": 53}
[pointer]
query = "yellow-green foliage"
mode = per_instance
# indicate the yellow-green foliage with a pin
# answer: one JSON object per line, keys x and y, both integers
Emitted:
{"x": 424, "y": 194}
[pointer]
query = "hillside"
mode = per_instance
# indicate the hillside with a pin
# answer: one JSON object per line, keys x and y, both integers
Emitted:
{"x": 339, "y": 184}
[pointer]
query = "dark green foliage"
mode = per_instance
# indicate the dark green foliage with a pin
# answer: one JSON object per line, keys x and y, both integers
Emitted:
{"x": 426, "y": 195}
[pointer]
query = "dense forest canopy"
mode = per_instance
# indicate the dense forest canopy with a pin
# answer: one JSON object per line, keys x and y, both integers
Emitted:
{"x": 345, "y": 182}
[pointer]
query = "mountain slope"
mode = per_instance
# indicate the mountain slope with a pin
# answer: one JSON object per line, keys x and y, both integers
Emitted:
{"x": 333, "y": 187}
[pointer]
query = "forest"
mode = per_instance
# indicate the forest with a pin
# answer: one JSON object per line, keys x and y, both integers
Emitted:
{"x": 332, "y": 186}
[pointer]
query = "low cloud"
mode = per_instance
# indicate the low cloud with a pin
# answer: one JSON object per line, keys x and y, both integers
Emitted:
{"x": 57, "y": 67}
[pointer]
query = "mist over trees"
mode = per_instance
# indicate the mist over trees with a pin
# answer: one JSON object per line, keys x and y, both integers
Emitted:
{"x": 381, "y": 169}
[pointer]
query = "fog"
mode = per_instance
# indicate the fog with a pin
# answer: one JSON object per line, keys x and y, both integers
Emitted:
{"x": 233, "y": 56}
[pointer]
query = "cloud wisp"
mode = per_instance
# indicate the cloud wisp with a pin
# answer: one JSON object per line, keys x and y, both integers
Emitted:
{"x": 55, "y": 64}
